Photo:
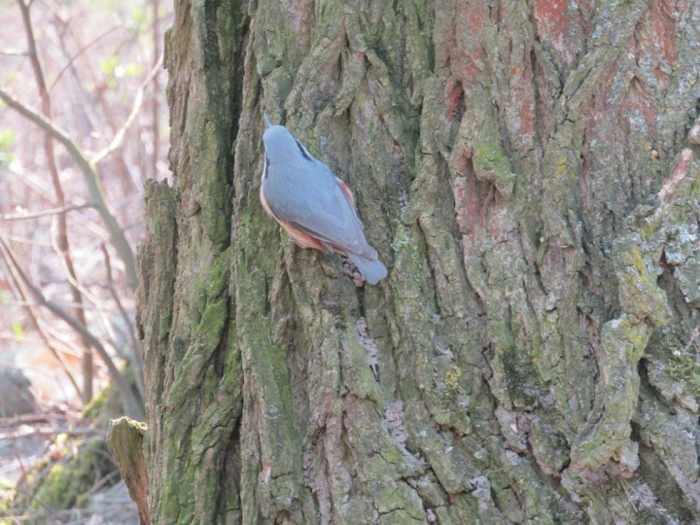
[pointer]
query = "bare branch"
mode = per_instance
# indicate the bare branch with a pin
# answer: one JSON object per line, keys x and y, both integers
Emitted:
{"x": 57, "y": 354}
{"x": 36, "y": 418}
{"x": 13, "y": 53}
{"x": 44, "y": 124}
{"x": 33, "y": 181}
{"x": 80, "y": 52}
{"x": 131, "y": 404}
{"x": 138, "y": 100}
{"x": 59, "y": 235}
{"x": 45, "y": 213}
{"x": 79, "y": 431}
{"x": 155, "y": 30}
{"x": 137, "y": 362}
{"x": 94, "y": 187}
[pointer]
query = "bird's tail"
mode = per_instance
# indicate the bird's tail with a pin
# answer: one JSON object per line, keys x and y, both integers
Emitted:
{"x": 372, "y": 269}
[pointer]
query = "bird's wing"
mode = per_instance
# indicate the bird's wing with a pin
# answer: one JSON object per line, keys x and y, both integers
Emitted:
{"x": 332, "y": 219}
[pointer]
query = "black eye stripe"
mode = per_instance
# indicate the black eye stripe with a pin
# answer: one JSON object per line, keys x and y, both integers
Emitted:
{"x": 303, "y": 151}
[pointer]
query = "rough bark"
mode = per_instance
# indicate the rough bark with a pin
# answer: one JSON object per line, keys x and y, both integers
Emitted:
{"x": 125, "y": 441}
{"x": 524, "y": 169}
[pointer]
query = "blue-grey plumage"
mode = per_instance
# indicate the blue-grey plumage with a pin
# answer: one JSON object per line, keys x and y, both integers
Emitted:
{"x": 312, "y": 204}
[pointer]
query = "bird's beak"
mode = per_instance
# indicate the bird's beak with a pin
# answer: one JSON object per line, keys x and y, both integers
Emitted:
{"x": 268, "y": 122}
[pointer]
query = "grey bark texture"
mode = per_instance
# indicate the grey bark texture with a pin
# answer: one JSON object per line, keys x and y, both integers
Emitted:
{"x": 525, "y": 171}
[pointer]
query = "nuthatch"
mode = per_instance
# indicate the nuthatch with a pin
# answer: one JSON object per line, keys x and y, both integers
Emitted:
{"x": 315, "y": 207}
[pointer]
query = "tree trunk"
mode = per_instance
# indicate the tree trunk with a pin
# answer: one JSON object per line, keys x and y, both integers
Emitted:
{"x": 524, "y": 169}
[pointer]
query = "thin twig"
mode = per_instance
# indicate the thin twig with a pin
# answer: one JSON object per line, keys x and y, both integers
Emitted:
{"x": 81, "y": 431}
{"x": 62, "y": 304}
{"x": 45, "y": 213}
{"x": 131, "y": 405}
{"x": 80, "y": 52}
{"x": 33, "y": 181}
{"x": 155, "y": 5}
{"x": 137, "y": 362}
{"x": 55, "y": 352}
{"x": 54, "y": 130}
{"x": 138, "y": 100}
{"x": 102, "y": 482}
{"x": 71, "y": 349}
{"x": 18, "y": 458}
{"x": 28, "y": 242}
{"x": 98, "y": 93}
{"x": 59, "y": 236}
{"x": 29, "y": 419}
{"x": 24, "y": 340}
{"x": 96, "y": 303}
{"x": 94, "y": 186}
{"x": 13, "y": 53}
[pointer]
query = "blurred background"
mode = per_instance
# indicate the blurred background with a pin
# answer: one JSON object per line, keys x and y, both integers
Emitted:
{"x": 86, "y": 72}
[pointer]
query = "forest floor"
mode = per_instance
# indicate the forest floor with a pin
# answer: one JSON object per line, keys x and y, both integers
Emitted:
{"x": 31, "y": 445}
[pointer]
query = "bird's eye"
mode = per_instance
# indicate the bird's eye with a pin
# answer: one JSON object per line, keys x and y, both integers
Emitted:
{"x": 304, "y": 153}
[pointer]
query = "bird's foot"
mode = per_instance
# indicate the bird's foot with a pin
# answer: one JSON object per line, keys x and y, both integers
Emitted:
{"x": 351, "y": 271}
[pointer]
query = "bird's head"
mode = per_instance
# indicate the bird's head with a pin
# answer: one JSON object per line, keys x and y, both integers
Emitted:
{"x": 281, "y": 146}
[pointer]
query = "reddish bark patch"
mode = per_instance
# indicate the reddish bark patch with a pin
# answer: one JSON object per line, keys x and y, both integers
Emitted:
{"x": 694, "y": 135}
{"x": 467, "y": 54}
{"x": 663, "y": 30}
{"x": 552, "y": 26}
{"x": 678, "y": 174}
{"x": 551, "y": 17}
{"x": 467, "y": 203}
{"x": 527, "y": 117}
{"x": 523, "y": 100}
